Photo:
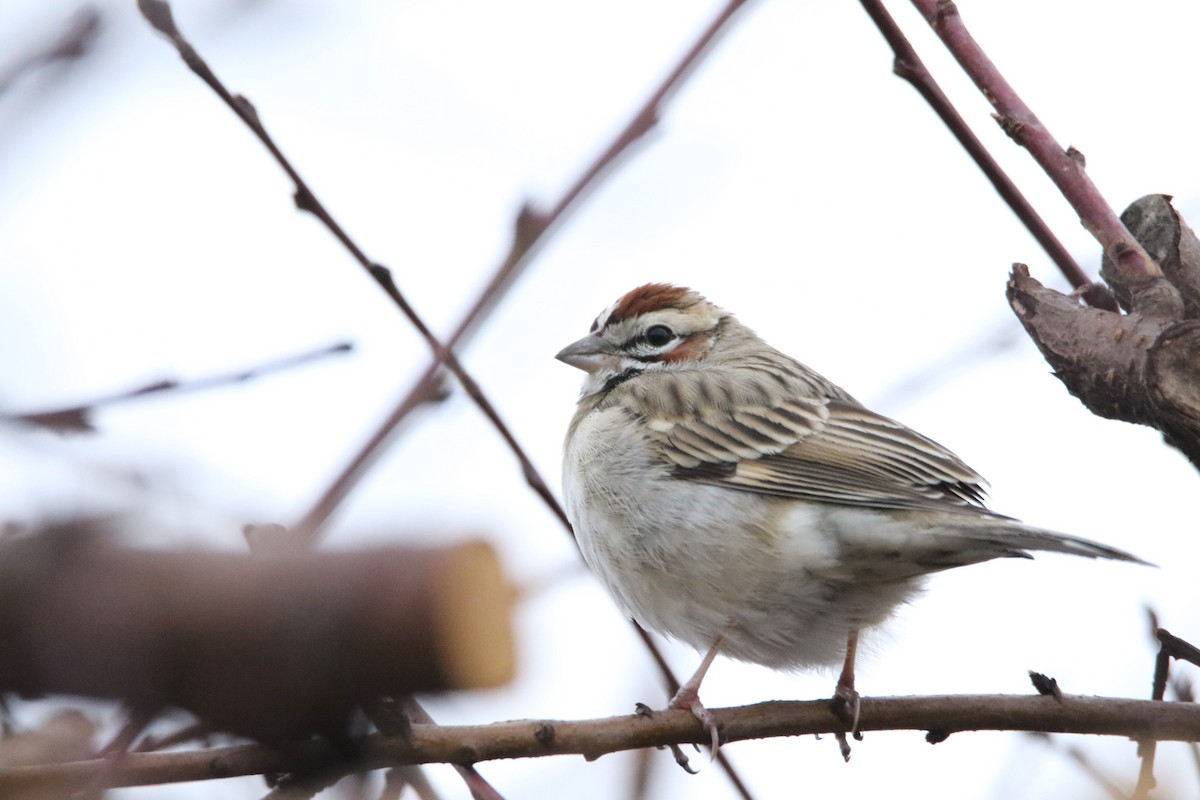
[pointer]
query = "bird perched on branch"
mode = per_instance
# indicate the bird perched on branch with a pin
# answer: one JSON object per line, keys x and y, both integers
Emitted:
{"x": 732, "y": 498}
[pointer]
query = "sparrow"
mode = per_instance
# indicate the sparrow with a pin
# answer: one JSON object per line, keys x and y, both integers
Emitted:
{"x": 730, "y": 497}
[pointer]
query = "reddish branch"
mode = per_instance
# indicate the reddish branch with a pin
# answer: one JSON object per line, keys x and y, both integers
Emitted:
{"x": 939, "y": 716}
{"x": 1066, "y": 168}
{"x": 909, "y": 66}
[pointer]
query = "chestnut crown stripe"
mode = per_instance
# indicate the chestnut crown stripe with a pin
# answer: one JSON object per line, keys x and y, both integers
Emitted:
{"x": 653, "y": 297}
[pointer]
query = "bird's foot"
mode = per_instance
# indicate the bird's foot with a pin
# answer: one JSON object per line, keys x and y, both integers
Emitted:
{"x": 688, "y": 698}
{"x": 846, "y": 706}
{"x": 643, "y": 710}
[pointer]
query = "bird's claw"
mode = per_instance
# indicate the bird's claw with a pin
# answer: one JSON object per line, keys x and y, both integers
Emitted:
{"x": 643, "y": 710}
{"x": 847, "y": 706}
{"x": 690, "y": 701}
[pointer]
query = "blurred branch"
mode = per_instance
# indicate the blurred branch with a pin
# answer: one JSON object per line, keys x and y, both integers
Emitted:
{"x": 78, "y": 418}
{"x": 909, "y": 66}
{"x": 940, "y": 716}
{"x": 72, "y": 44}
{"x": 1151, "y": 294}
{"x": 1087, "y": 765}
{"x": 274, "y": 647}
{"x": 530, "y": 230}
{"x": 1170, "y": 646}
{"x": 479, "y": 788}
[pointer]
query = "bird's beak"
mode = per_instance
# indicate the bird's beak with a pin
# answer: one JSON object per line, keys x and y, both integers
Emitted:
{"x": 588, "y": 354}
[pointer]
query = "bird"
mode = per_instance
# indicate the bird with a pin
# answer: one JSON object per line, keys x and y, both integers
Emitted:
{"x": 732, "y": 498}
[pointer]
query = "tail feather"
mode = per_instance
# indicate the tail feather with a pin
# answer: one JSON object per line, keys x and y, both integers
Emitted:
{"x": 1017, "y": 539}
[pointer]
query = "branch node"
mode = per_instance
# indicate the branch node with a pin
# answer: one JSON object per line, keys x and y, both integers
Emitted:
{"x": 246, "y": 110}
{"x": 1013, "y": 127}
{"x": 158, "y": 14}
{"x": 304, "y": 199}
{"x": 945, "y": 10}
{"x": 1046, "y": 686}
{"x": 544, "y": 733}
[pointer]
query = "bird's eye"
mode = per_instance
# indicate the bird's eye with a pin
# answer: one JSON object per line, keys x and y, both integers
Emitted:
{"x": 659, "y": 335}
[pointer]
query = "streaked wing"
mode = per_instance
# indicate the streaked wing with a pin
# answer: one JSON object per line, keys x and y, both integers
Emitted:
{"x": 830, "y": 451}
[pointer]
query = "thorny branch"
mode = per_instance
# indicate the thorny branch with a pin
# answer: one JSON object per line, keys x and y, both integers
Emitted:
{"x": 940, "y": 716}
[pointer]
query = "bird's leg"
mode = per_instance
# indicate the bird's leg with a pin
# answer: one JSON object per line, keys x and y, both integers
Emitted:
{"x": 688, "y": 697}
{"x": 846, "y": 703}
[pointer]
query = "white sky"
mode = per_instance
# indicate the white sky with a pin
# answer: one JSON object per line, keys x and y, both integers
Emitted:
{"x": 144, "y": 234}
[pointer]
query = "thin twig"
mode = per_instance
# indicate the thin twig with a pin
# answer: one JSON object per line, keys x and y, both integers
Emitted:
{"x": 1170, "y": 646}
{"x": 909, "y": 66}
{"x": 1148, "y": 747}
{"x": 158, "y": 14}
{"x": 478, "y": 786}
{"x": 1085, "y": 763}
{"x": 1178, "y": 648}
{"x": 530, "y": 231}
{"x": 77, "y": 418}
{"x": 1065, "y": 167}
{"x": 72, "y": 44}
{"x": 1182, "y": 688}
{"x": 1126, "y": 718}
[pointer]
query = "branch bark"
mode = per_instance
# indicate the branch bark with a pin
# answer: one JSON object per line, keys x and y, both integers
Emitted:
{"x": 275, "y": 647}
{"x": 1149, "y": 292}
{"x": 939, "y": 716}
{"x": 1139, "y": 368}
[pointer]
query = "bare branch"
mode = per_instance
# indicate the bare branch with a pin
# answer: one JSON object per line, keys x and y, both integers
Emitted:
{"x": 1151, "y": 294}
{"x": 909, "y": 66}
{"x": 274, "y": 647}
{"x": 78, "y": 418}
{"x": 941, "y": 716}
{"x": 530, "y": 230}
{"x": 72, "y": 44}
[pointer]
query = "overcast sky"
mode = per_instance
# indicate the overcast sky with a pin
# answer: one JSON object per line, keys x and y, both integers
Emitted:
{"x": 145, "y": 234}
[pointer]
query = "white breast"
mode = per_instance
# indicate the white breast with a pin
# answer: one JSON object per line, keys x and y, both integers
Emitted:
{"x": 692, "y": 561}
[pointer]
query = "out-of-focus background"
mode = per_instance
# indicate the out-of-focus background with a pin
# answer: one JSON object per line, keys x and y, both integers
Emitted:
{"x": 144, "y": 234}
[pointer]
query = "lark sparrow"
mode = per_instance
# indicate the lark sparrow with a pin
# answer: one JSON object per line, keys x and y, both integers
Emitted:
{"x": 730, "y": 497}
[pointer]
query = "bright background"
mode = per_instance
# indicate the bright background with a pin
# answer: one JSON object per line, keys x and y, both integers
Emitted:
{"x": 144, "y": 233}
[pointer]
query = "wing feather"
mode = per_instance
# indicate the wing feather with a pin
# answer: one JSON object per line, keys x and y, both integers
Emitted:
{"x": 832, "y": 450}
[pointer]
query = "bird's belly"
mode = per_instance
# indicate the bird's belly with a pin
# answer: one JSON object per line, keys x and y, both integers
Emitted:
{"x": 694, "y": 561}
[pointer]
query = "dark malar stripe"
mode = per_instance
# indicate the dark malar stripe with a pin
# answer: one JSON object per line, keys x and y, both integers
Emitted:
{"x": 621, "y": 377}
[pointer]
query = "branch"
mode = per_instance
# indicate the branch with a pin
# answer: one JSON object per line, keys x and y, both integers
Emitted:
{"x": 1150, "y": 293}
{"x": 72, "y": 44}
{"x": 78, "y": 418}
{"x": 1139, "y": 368}
{"x": 909, "y": 66}
{"x": 275, "y": 647}
{"x": 940, "y": 716}
{"x": 530, "y": 230}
